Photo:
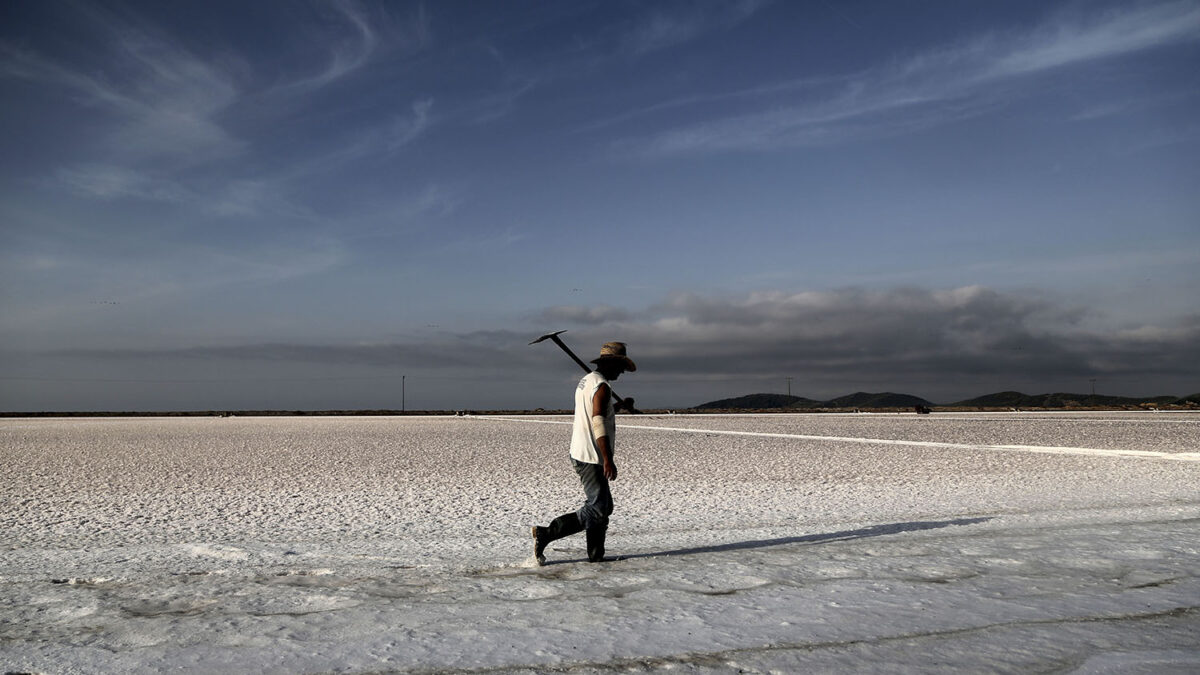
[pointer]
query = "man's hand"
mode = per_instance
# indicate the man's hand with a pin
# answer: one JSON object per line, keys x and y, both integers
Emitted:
{"x": 610, "y": 467}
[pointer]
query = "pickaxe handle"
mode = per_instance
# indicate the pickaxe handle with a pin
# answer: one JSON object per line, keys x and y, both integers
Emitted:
{"x": 562, "y": 345}
{"x": 558, "y": 341}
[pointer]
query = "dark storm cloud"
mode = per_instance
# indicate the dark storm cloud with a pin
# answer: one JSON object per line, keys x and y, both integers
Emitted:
{"x": 899, "y": 336}
{"x": 887, "y": 339}
{"x": 969, "y": 328}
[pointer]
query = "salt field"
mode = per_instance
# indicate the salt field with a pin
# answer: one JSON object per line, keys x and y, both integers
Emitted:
{"x": 1001, "y": 542}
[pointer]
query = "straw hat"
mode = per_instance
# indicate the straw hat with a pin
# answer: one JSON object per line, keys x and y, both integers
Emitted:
{"x": 615, "y": 351}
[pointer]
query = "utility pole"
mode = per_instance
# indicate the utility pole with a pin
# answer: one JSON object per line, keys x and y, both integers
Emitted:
{"x": 789, "y": 380}
{"x": 1093, "y": 386}
{"x": 402, "y": 392}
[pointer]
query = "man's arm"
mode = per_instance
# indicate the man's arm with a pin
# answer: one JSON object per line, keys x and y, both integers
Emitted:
{"x": 599, "y": 403}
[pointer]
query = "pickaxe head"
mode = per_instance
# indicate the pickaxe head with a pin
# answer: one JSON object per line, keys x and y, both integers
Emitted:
{"x": 548, "y": 336}
{"x": 625, "y": 403}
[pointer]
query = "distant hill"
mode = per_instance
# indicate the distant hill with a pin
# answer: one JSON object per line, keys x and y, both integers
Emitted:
{"x": 759, "y": 402}
{"x": 856, "y": 400}
{"x": 1015, "y": 399}
{"x": 886, "y": 399}
{"x": 1003, "y": 399}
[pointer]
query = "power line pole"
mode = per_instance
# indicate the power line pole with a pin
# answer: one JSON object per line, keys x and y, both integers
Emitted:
{"x": 402, "y": 392}
{"x": 789, "y": 380}
{"x": 1093, "y": 386}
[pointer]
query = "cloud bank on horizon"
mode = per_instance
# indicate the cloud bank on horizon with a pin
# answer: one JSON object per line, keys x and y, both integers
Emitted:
{"x": 294, "y": 205}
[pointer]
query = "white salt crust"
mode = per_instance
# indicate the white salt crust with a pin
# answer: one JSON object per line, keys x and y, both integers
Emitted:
{"x": 397, "y": 544}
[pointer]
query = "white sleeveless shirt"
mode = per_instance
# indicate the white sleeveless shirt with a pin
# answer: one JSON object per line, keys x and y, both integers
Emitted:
{"x": 583, "y": 444}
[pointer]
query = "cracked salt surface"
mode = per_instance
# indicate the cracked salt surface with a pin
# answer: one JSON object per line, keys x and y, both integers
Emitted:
{"x": 400, "y": 544}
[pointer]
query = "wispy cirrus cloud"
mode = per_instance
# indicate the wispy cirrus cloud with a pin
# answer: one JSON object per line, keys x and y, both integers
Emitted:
{"x": 941, "y": 85}
{"x": 407, "y": 129}
{"x": 653, "y": 28}
{"x": 664, "y": 26}
{"x": 1073, "y": 38}
{"x": 194, "y": 129}
{"x": 225, "y": 197}
{"x": 169, "y": 110}
{"x": 354, "y": 36}
{"x": 164, "y": 98}
{"x": 396, "y": 133}
{"x": 374, "y": 141}
{"x": 351, "y": 42}
{"x": 108, "y": 182}
{"x": 401, "y": 214}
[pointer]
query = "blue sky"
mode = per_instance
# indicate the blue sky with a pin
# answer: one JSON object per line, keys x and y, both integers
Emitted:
{"x": 293, "y": 205}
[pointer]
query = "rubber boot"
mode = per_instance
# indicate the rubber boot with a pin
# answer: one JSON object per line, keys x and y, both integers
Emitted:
{"x": 563, "y": 526}
{"x": 595, "y": 544}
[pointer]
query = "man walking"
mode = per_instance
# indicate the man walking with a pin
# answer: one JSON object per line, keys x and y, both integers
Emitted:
{"x": 592, "y": 444}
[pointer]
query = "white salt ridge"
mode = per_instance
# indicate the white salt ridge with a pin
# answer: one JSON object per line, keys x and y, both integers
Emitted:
{"x": 1049, "y": 449}
{"x": 216, "y": 551}
{"x": 394, "y": 544}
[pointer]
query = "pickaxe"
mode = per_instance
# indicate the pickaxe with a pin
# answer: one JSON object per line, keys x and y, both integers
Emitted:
{"x": 626, "y": 403}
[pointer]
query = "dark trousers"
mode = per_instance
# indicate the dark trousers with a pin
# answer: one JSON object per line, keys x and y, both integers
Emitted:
{"x": 599, "y": 505}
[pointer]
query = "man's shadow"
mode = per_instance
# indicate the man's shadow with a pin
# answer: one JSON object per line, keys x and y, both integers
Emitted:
{"x": 845, "y": 535}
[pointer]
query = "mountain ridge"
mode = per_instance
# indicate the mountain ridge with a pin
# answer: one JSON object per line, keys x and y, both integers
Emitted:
{"x": 860, "y": 399}
{"x": 1003, "y": 399}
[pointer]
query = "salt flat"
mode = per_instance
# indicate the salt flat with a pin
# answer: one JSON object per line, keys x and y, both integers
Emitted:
{"x": 1008, "y": 542}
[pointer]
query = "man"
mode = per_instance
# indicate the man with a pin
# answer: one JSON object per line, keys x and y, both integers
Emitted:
{"x": 592, "y": 444}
